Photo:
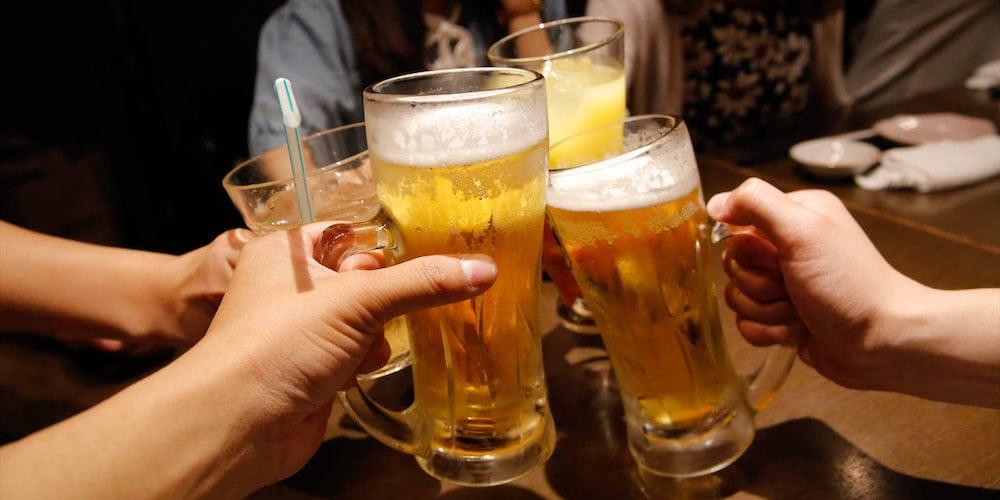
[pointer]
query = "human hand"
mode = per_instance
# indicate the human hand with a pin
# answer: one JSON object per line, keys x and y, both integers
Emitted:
{"x": 195, "y": 285}
{"x": 811, "y": 276}
{"x": 296, "y": 332}
{"x": 248, "y": 404}
{"x": 111, "y": 297}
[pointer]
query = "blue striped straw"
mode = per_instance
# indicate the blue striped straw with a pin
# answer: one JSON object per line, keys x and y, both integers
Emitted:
{"x": 292, "y": 119}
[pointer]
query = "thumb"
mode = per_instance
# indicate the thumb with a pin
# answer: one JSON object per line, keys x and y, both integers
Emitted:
{"x": 426, "y": 282}
{"x": 765, "y": 207}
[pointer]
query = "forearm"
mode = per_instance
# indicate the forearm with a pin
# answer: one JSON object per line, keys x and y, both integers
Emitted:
{"x": 533, "y": 44}
{"x": 53, "y": 285}
{"x": 947, "y": 346}
{"x": 180, "y": 433}
{"x": 519, "y": 21}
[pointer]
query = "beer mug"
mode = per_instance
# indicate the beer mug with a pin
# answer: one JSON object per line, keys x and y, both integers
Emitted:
{"x": 582, "y": 59}
{"x": 460, "y": 163}
{"x": 341, "y": 188}
{"x": 637, "y": 236}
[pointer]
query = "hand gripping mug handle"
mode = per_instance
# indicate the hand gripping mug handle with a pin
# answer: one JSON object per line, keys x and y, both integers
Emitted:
{"x": 338, "y": 242}
{"x": 765, "y": 381}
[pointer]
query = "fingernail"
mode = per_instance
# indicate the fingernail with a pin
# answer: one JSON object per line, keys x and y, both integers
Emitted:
{"x": 479, "y": 270}
{"x": 716, "y": 204}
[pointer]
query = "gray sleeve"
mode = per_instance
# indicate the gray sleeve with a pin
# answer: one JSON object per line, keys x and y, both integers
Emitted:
{"x": 308, "y": 42}
{"x": 909, "y": 48}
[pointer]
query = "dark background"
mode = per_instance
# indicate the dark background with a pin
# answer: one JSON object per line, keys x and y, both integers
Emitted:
{"x": 121, "y": 117}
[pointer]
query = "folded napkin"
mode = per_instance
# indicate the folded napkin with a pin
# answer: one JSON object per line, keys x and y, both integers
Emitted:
{"x": 986, "y": 76}
{"x": 935, "y": 166}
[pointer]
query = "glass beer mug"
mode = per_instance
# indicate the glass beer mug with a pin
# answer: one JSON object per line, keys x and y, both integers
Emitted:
{"x": 635, "y": 230}
{"x": 460, "y": 163}
{"x": 341, "y": 188}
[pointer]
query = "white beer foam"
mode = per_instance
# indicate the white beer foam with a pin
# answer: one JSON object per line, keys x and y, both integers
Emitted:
{"x": 667, "y": 173}
{"x": 439, "y": 135}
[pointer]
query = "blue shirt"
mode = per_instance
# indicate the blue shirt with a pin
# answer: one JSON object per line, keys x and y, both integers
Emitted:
{"x": 309, "y": 42}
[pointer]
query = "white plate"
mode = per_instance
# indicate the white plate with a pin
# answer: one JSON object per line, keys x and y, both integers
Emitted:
{"x": 831, "y": 157}
{"x": 920, "y": 129}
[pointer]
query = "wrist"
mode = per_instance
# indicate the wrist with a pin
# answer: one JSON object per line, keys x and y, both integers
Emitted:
{"x": 941, "y": 344}
{"x": 901, "y": 307}
{"x": 264, "y": 407}
{"x": 167, "y": 296}
{"x": 146, "y": 298}
{"x": 183, "y": 429}
{"x": 213, "y": 392}
{"x": 896, "y": 310}
{"x": 186, "y": 297}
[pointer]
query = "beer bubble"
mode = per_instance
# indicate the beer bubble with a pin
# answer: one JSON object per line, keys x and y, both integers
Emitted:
{"x": 456, "y": 133}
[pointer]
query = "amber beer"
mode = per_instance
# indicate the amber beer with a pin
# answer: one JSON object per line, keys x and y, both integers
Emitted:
{"x": 634, "y": 228}
{"x": 645, "y": 280}
{"x": 476, "y": 373}
{"x": 460, "y": 162}
{"x": 634, "y": 231}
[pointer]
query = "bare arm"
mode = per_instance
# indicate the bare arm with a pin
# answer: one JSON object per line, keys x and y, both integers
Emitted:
{"x": 176, "y": 434}
{"x": 945, "y": 343}
{"x": 247, "y": 405}
{"x": 812, "y": 276}
{"x": 54, "y": 285}
{"x": 521, "y": 14}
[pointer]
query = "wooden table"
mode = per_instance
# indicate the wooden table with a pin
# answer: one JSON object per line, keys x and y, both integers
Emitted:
{"x": 816, "y": 440}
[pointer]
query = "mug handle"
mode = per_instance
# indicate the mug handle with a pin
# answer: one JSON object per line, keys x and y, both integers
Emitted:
{"x": 764, "y": 382}
{"x": 339, "y": 241}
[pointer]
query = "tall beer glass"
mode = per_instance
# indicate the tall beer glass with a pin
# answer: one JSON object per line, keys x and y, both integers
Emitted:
{"x": 638, "y": 239}
{"x": 582, "y": 60}
{"x": 459, "y": 158}
{"x": 341, "y": 188}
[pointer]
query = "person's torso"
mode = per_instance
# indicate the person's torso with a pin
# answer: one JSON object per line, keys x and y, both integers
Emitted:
{"x": 745, "y": 69}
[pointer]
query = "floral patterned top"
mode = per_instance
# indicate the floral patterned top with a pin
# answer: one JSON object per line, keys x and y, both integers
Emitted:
{"x": 746, "y": 69}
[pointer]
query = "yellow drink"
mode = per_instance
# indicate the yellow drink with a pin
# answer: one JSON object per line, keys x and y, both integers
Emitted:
{"x": 644, "y": 281}
{"x": 581, "y": 96}
{"x": 633, "y": 232}
{"x": 459, "y": 160}
{"x": 476, "y": 367}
